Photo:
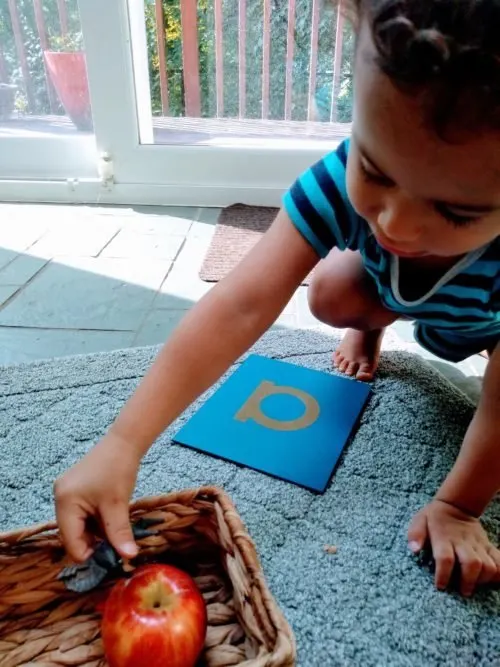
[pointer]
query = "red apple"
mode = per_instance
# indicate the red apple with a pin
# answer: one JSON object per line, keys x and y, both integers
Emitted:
{"x": 155, "y": 618}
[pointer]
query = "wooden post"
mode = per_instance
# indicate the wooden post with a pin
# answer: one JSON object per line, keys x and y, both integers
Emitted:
{"x": 42, "y": 35}
{"x": 190, "y": 58}
{"x": 337, "y": 61}
{"x": 242, "y": 65}
{"x": 290, "y": 44}
{"x": 21, "y": 53}
{"x": 266, "y": 57}
{"x": 313, "y": 62}
{"x": 63, "y": 16}
{"x": 219, "y": 59}
{"x": 3, "y": 67}
{"x": 160, "y": 40}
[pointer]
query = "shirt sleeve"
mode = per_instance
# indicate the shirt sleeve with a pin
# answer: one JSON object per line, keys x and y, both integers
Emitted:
{"x": 495, "y": 297}
{"x": 318, "y": 205}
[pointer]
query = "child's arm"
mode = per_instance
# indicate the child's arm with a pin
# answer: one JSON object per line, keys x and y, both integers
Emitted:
{"x": 216, "y": 331}
{"x": 451, "y": 520}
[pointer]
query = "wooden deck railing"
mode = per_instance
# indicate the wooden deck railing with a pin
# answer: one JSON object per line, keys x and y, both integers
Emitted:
{"x": 191, "y": 60}
{"x": 266, "y": 58}
{"x": 160, "y": 41}
{"x": 192, "y": 89}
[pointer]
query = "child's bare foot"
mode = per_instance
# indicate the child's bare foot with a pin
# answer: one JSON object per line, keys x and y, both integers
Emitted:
{"x": 358, "y": 353}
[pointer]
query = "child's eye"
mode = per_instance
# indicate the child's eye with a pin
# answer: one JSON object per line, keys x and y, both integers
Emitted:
{"x": 373, "y": 176}
{"x": 455, "y": 218}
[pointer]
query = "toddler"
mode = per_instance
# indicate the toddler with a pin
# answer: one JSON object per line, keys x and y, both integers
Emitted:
{"x": 402, "y": 220}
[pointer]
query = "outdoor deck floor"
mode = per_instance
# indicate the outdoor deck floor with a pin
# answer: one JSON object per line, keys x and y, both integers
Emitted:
{"x": 198, "y": 131}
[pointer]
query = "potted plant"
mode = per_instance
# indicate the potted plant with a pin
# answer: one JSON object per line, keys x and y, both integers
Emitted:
{"x": 65, "y": 62}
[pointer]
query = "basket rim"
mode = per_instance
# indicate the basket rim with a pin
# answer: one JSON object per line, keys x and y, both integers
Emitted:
{"x": 239, "y": 533}
{"x": 21, "y": 534}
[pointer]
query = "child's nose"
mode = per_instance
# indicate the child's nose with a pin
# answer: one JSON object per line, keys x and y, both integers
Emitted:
{"x": 400, "y": 221}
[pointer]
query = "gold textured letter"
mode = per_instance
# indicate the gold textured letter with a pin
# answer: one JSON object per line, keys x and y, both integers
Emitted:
{"x": 252, "y": 410}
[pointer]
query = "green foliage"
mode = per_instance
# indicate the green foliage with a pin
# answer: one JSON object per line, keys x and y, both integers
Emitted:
{"x": 33, "y": 55}
{"x": 206, "y": 46}
{"x": 71, "y": 42}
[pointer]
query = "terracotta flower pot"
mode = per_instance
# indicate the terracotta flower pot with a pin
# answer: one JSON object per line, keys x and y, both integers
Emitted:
{"x": 68, "y": 73}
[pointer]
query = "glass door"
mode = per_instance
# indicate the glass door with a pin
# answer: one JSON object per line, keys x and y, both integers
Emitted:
{"x": 46, "y": 127}
{"x": 209, "y": 102}
{"x": 246, "y": 72}
{"x": 184, "y": 102}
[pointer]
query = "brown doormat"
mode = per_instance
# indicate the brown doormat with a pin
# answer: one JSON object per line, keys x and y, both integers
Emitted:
{"x": 238, "y": 229}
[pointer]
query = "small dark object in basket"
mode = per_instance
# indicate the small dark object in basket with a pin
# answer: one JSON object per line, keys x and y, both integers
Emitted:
{"x": 105, "y": 561}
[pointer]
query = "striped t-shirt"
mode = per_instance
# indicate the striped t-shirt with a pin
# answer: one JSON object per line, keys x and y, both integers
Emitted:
{"x": 457, "y": 317}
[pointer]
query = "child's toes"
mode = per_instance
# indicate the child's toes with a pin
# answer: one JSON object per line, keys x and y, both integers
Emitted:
{"x": 343, "y": 366}
{"x": 352, "y": 368}
{"x": 338, "y": 360}
{"x": 365, "y": 372}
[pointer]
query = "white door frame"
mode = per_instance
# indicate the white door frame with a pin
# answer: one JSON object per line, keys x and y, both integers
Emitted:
{"x": 55, "y": 157}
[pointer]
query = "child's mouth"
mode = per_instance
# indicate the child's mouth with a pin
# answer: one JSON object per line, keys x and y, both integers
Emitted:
{"x": 398, "y": 251}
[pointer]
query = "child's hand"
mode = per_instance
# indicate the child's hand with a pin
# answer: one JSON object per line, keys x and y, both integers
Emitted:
{"x": 455, "y": 535}
{"x": 99, "y": 487}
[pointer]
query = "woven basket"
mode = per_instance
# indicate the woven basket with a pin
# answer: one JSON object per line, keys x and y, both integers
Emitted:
{"x": 42, "y": 624}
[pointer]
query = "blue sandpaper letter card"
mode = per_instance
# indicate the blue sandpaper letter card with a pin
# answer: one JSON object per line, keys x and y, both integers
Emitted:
{"x": 282, "y": 419}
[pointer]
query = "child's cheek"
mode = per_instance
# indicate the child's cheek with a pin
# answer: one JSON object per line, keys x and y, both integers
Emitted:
{"x": 361, "y": 194}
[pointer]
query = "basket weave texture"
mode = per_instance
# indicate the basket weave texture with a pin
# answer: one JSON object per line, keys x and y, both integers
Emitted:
{"x": 42, "y": 624}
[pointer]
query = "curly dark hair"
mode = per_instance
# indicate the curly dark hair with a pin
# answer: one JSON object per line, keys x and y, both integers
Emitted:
{"x": 447, "y": 49}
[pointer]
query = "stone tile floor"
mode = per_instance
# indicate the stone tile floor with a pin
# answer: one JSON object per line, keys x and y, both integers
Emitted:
{"x": 77, "y": 279}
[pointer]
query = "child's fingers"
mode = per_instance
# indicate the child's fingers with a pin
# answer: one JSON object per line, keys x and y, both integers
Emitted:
{"x": 71, "y": 521}
{"x": 489, "y": 570}
{"x": 116, "y": 522}
{"x": 444, "y": 557}
{"x": 494, "y": 554}
{"x": 471, "y": 566}
{"x": 72, "y": 527}
{"x": 417, "y": 532}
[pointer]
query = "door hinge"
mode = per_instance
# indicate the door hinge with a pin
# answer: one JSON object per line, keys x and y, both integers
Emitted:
{"x": 106, "y": 170}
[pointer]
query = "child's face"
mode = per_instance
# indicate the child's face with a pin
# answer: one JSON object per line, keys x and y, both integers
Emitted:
{"x": 420, "y": 194}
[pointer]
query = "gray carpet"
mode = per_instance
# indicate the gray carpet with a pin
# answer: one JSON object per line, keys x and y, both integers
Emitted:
{"x": 371, "y": 603}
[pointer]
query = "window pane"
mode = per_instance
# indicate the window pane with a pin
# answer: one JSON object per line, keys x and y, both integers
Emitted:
{"x": 43, "y": 78}
{"x": 233, "y": 70}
